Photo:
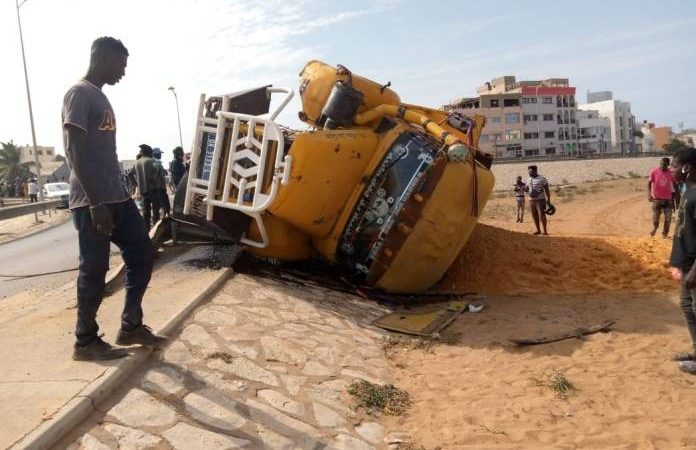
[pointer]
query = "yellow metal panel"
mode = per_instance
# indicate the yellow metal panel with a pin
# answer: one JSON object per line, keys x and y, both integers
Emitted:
{"x": 286, "y": 243}
{"x": 326, "y": 168}
{"x": 440, "y": 234}
{"x": 326, "y": 245}
{"x": 317, "y": 79}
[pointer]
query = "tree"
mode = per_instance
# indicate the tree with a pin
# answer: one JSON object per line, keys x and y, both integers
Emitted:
{"x": 10, "y": 165}
{"x": 674, "y": 145}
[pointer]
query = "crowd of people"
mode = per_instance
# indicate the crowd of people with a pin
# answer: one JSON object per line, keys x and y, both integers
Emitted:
{"x": 21, "y": 187}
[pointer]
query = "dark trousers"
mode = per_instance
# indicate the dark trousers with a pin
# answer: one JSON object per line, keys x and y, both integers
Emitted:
{"x": 130, "y": 235}
{"x": 152, "y": 201}
{"x": 688, "y": 307}
{"x": 33, "y": 198}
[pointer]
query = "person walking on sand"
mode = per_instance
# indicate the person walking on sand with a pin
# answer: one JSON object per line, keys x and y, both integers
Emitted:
{"x": 661, "y": 193}
{"x": 520, "y": 189}
{"x": 102, "y": 210}
{"x": 539, "y": 194}
{"x": 683, "y": 254}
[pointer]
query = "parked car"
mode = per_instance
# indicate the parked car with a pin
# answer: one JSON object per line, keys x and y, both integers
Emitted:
{"x": 55, "y": 191}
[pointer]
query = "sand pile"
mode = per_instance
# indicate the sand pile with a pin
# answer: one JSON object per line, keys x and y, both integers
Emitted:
{"x": 497, "y": 261}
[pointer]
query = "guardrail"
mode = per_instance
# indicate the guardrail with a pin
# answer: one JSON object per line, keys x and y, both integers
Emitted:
{"x": 10, "y": 212}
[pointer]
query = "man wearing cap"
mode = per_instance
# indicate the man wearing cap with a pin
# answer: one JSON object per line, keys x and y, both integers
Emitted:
{"x": 102, "y": 210}
{"x": 146, "y": 177}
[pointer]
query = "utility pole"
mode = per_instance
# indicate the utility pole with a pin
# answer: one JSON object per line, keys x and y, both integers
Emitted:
{"x": 178, "y": 118}
{"x": 31, "y": 112}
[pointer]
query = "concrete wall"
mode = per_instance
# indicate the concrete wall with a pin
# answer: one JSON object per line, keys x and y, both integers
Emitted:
{"x": 574, "y": 171}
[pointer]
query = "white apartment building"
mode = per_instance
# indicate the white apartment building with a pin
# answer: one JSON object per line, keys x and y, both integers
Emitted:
{"x": 593, "y": 133}
{"x": 647, "y": 143}
{"x": 525, "y": 118}
{"x": 621, "y": 121}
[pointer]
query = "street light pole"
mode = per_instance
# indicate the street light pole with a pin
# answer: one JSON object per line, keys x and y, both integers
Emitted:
{"x": 178, "y": 117}
{"x": 31, "y": 112}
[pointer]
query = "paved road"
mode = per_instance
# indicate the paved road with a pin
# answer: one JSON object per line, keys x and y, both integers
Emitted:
{"x": 50, "y": 250}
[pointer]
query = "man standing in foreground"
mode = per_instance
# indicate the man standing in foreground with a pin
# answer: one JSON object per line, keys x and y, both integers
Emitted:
{"x": 102, "y": 209}
{"x": 683, "y": 255}
{"x": 661, "y": 193}
{"x": 539, "y": 195}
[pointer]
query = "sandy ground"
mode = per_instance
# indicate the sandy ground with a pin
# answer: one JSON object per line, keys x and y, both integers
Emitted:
{"x": 481, "y": 391}
{"x": 17, "y": 227}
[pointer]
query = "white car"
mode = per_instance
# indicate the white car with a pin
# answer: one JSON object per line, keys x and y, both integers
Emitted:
{"x": 55, "y": 191}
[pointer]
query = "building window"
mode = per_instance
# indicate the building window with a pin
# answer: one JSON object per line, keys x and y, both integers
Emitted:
{"x": 566, "y": 134}
{"x": 495, "y": 119}
{"x": 483, "y": 138}
{"x": 566, "y": 117}
{"x": 559, "y": 117}
{"x": 494, "y": 103}
{"x": 550, "y": 150}
{"x": 512, "y": 117}
{"x": 558, "y": 101}
{"x": 531, "y": 135}
{"x": 530, "y": 118}
{"x": 565, "y": 101}
{"x": 511, "y": 135}
{"x": 529, "y": 100}
{"x": 572, "y": 116}
{"x": 621, "y": 120}
{"x": 511, "y": 102}
{"x": 572, "y": 133}
{"x": 560, "y": 134}
{"x": 531, "y": 152}
{"x": 49, "y": 152}
{"x": 548, "y": 100}
{"x": 516, "y": 149}
{"x": 549, "y": 134}
{"x": 572, "y": 100}
{"x": 496, "y": 137}
{"x": 548, "y": 117}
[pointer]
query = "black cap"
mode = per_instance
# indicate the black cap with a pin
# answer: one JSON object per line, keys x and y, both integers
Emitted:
{"x": 145, "y": 147}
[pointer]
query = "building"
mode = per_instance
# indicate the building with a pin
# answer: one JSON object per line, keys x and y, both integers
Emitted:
{"x": 621, "y": 121}
{"x": 524, "y": 118}
{"x": 600, "y": 96}
{"x": 654, "y": 138}
{"x": 593, "y": 133}
{"x": 687, "y": 136}
{"x": 46, "y": 154}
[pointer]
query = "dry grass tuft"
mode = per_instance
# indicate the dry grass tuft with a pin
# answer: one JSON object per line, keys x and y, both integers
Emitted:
{"x": 387, "y": 399}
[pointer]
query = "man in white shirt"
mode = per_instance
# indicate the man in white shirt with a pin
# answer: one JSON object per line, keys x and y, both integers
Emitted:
{"x": 33, "y": 191}
{"x": 539, "y": 194}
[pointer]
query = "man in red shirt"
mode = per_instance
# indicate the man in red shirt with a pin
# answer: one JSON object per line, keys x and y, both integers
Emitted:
{"x": 661, "y": 192}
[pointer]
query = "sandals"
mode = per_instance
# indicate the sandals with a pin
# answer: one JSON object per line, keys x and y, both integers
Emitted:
{"x": 688, "y": 367}
{"x": 680, "y": 357}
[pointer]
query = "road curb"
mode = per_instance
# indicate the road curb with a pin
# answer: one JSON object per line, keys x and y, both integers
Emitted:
{"x": 84, "y": 403}
{"x": 9, "y": 241}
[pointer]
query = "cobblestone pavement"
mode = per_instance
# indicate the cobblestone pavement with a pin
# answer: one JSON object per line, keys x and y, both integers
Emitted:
{"x": 263, "y": 365}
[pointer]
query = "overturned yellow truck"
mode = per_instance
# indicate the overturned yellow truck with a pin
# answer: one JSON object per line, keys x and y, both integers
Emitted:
{"x": 388, "y": 191}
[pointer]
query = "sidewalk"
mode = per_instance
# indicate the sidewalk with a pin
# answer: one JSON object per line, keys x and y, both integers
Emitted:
{"x": 38, "y": 376}
{"x": 18, "y": 227}
{"x": 263, "y": 365}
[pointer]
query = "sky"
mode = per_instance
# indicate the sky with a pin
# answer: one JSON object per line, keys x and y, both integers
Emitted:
{"x": 645, "y": 52}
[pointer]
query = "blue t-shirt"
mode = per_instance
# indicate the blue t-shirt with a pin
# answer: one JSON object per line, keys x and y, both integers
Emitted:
{"x": 86, "y": 107}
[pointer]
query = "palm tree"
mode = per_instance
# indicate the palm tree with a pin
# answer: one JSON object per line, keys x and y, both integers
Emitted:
{"x": 10, "y": 165}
